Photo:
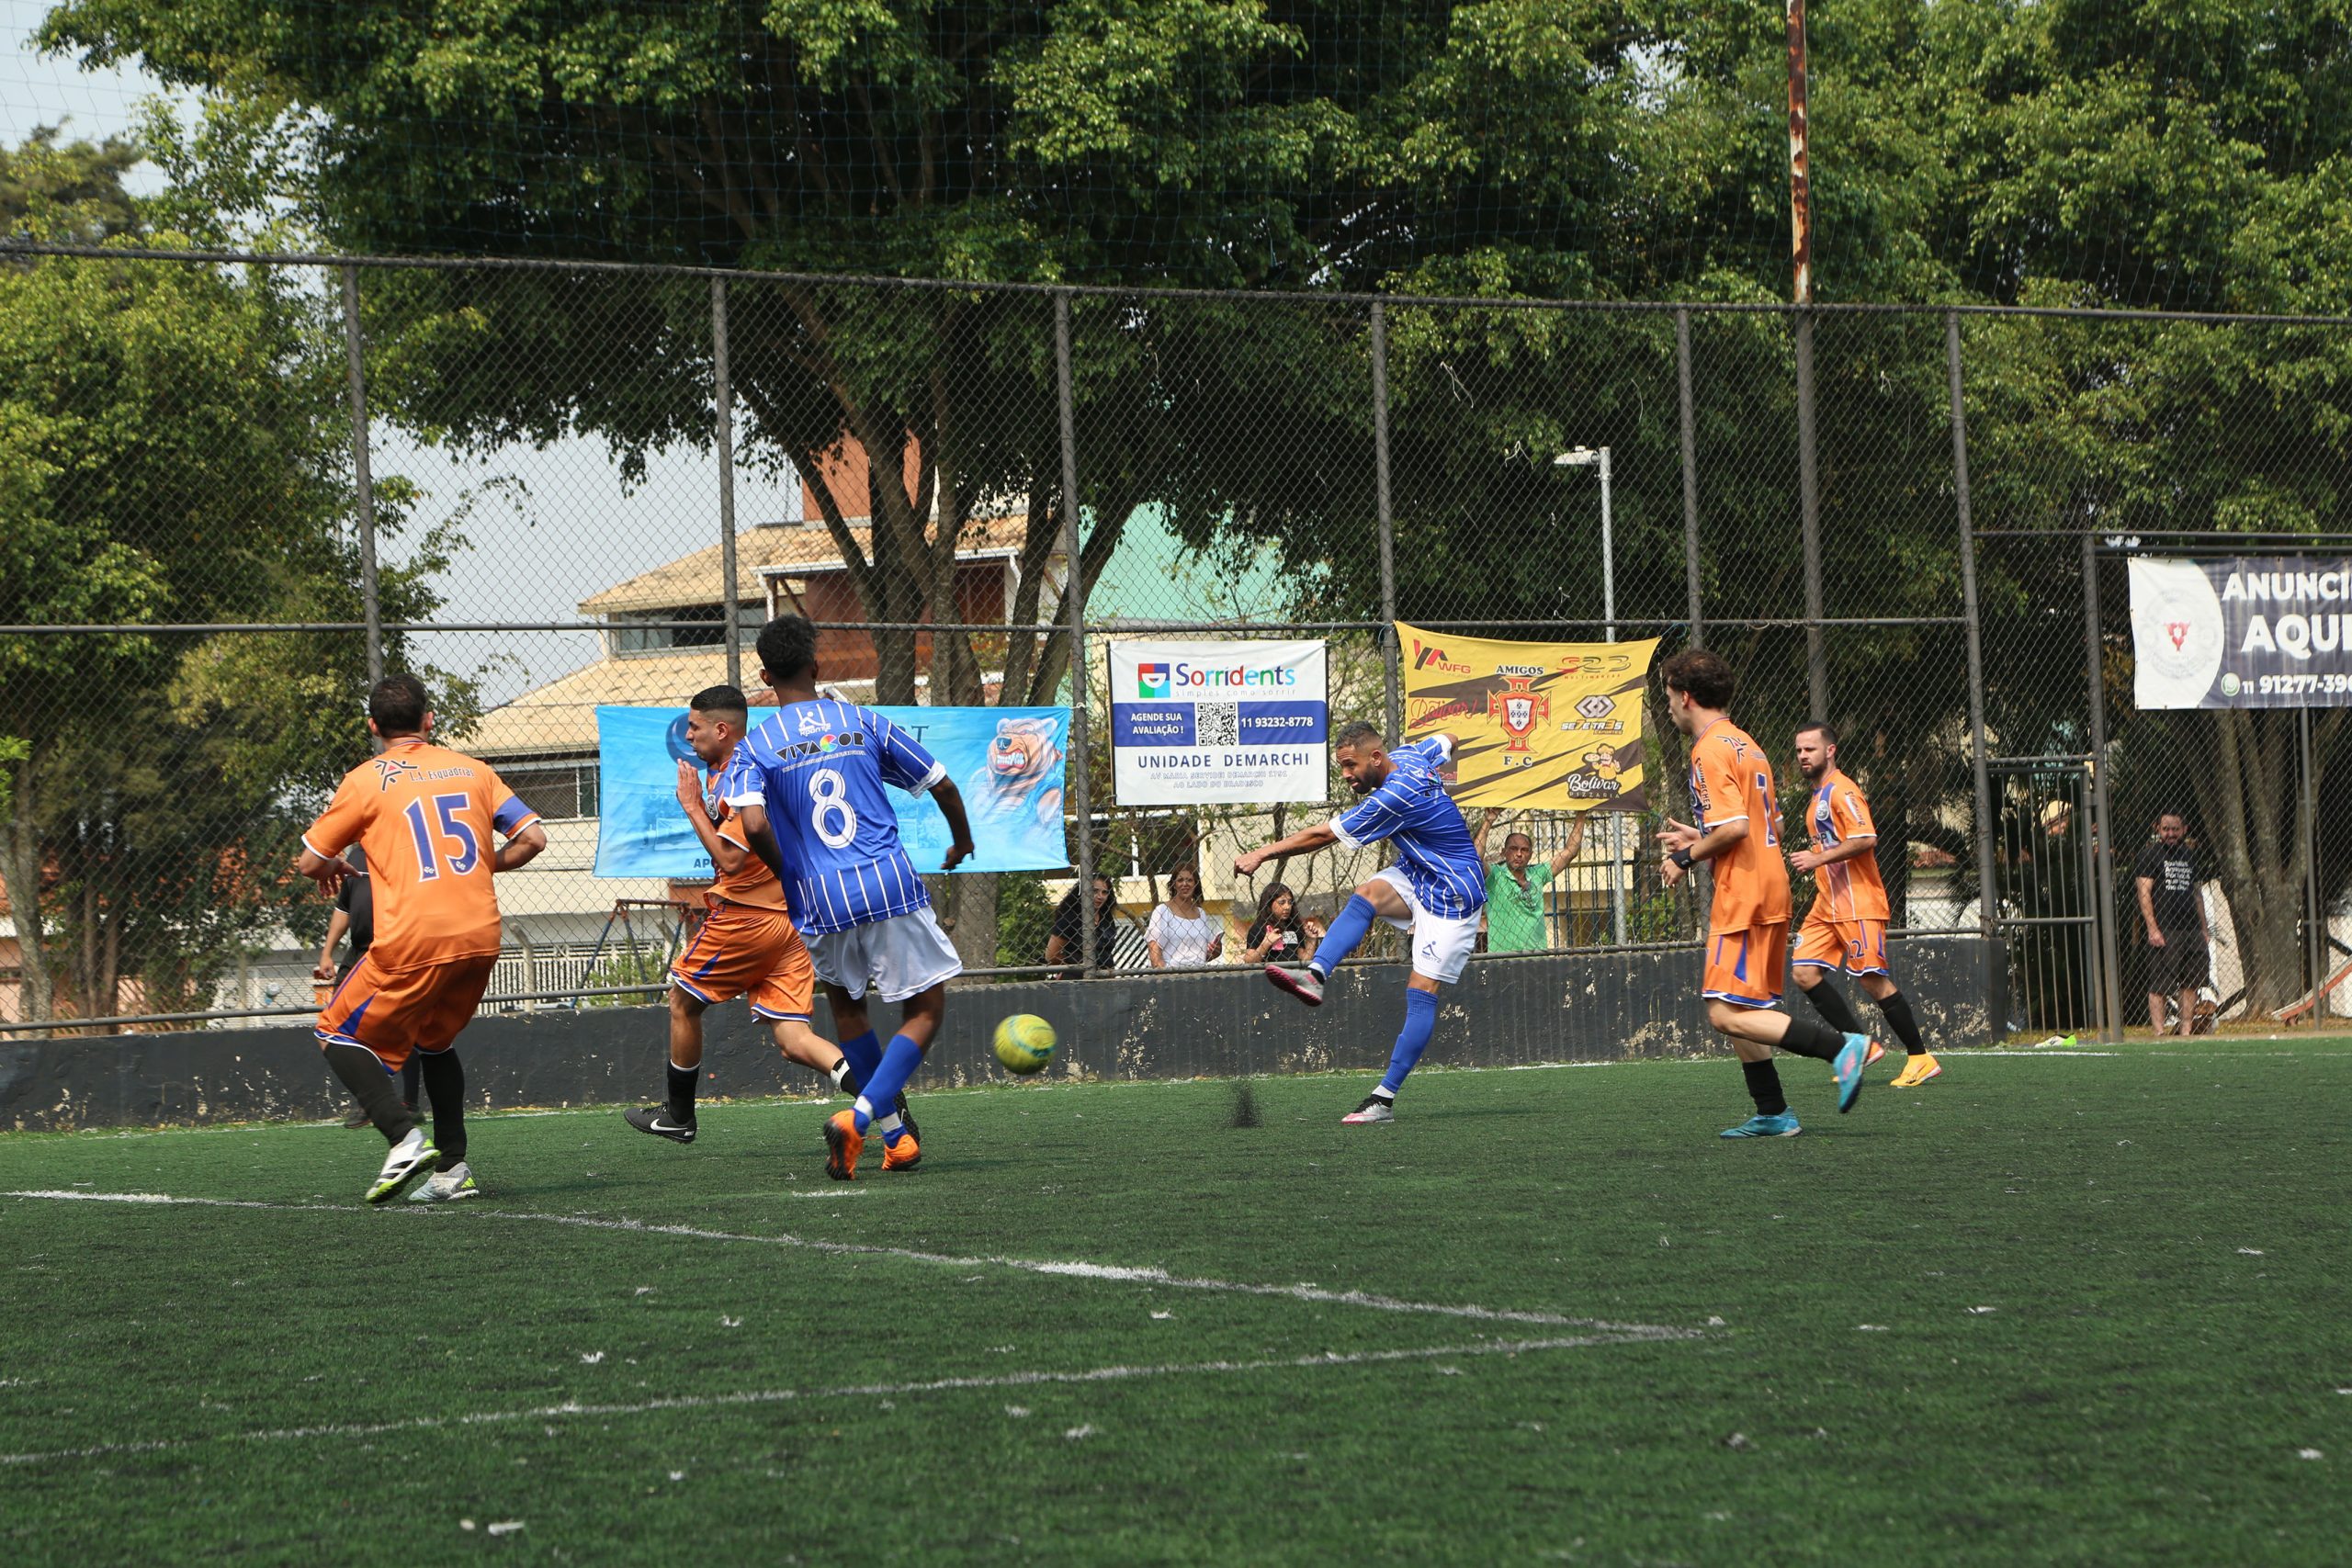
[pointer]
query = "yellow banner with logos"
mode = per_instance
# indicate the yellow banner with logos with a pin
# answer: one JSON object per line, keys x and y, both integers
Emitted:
{"x": 1556, "y": 726}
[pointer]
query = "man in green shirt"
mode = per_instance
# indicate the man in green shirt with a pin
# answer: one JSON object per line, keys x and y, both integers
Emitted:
{"x": 1515, "y": 889}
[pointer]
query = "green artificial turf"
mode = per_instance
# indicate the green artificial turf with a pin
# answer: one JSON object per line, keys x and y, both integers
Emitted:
{"x": 2054, "y": 1307}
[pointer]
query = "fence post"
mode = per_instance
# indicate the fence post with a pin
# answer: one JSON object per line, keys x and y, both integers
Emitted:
{"x": 2103, "y": 926}
{"x": 372, "y": 607}
{"x": 1690, "y": 473}
{"x": 1988, "y": 918}
{"x": 1816, "y": 650}
{"x": 1392, "y": 679}
{"x": 2316, "y": 911}
{"x": 723, "y": 432}
{"x": 1074, "y": 605}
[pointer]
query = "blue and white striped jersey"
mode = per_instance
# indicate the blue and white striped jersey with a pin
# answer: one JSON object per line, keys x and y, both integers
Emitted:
{"x": 1433, "y": 843}
{"x": 818, "y": 769}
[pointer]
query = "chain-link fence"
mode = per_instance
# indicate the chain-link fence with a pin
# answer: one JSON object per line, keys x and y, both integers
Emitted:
{"x": 236, "y": 489}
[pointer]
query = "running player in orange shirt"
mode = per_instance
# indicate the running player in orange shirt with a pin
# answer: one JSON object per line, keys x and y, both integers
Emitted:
{"x": 425, "y": 816}
{"x": 1748, "y": 927}
{"x": 747, "y": 945}
{"x": 1845, "y": 928}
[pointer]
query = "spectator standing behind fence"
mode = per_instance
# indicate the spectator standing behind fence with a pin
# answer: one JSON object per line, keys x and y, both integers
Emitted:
{"x": 1279, "y": 935}
{"x": 2171, "y": 914}
{"x": 1069, "y": 928}
{"x": 354, "y": 917}
{"x": 1182, "y": 935}
{"x": 1515, "y": 889}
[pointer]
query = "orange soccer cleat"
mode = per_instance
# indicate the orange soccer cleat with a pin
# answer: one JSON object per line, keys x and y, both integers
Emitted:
{"x": 844, "y": 1143}
{"x": 904, "y": 1155}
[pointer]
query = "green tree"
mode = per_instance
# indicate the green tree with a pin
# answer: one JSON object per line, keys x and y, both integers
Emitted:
{"x": 163, "y": 458}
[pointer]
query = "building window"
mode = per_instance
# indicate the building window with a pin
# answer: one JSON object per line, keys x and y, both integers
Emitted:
{"x": 561, "y": 790}
{"x": 639, "y": 633}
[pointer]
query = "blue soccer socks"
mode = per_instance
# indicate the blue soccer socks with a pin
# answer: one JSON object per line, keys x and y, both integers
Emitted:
{"x": 898, "y": 1064}
{"x": 1348, "y": 927}
{"x": 863, "y": 1054}
{"x": 1421, "y": 1024}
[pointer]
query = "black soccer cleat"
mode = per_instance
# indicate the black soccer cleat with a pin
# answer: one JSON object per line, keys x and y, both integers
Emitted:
{"x": 657, "y": 1120}
{"x": 907, "y": 1120}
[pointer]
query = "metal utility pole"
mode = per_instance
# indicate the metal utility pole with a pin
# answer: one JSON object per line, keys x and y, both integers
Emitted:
{"x": 1690, "y": 474}
{"x": 1074, "y": 612}
{"x": 1585, "y": 456}
{"x": 362, "y": 483}
{"x": 1817, "y": 653}
{"x": 1971, "y": 606}
{"x": 723, "y": 438}
{"x": 1391, "y": 655}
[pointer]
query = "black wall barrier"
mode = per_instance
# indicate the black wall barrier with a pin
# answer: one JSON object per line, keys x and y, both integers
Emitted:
{"x": 1507, "y": 1011}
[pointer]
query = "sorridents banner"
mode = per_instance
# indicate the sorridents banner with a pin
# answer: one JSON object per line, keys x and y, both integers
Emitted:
{"x": 2248, "y": 631}
{"x": 1007, "y": 763}
{"x": 1556, "y": 725}
{"x": 1200, "y": 721}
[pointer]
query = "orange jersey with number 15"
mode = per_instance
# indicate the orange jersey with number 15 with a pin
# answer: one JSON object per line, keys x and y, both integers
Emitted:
{"x": 1730, "y": 779}
{"x": 425, "y": 816}
{"x": 1847, "y": 889}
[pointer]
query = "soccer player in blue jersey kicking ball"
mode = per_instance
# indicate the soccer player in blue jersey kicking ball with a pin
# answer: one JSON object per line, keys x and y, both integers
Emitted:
{"x": 1435, "y": 890}
{"x": 806, "y": 785}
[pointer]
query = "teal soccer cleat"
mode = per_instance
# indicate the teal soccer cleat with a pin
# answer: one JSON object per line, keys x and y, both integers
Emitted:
{"x": 1849, "y": 1065}
{"x": 1783, "y": 1125}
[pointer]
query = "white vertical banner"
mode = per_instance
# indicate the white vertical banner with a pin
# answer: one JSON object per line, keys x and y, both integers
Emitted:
{"x": 1201, "y": 721}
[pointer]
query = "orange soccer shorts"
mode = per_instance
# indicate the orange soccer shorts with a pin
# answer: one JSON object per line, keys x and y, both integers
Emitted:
{"x": 1857, "y": 946}
{"x": 1745, "y": 967}
{"x": 392, "y": 1012}
{"x": 745, "y": 951}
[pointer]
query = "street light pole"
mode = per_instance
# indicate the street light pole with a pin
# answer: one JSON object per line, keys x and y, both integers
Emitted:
{"x": 1582, "y": 458}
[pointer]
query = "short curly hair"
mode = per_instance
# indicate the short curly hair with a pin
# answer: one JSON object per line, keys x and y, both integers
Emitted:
{"x": 787, "y": 646}
{"x": 1700, "y": 676}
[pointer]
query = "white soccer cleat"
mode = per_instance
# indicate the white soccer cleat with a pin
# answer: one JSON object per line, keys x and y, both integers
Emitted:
{"x": 447, "y": 1186}
{"x": 1373, "y": 1108}
{"x": 411, "y": 1157}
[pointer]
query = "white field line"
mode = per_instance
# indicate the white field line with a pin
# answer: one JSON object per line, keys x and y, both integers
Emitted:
{"x": 573, "y": 1409}
{"x": 1121, "y": 1273}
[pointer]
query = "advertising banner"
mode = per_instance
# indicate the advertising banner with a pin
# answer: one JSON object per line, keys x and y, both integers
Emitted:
{"x": 1202, "y": 721}
{"x": 1554, "y": 725}
{"x": 1007, "y": 763}
{"x": 2245, "y": 632}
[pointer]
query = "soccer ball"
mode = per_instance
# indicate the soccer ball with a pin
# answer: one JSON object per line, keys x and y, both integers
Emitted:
{"x": 1025, "y": 1042}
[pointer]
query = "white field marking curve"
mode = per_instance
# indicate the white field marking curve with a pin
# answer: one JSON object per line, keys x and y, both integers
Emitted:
{"x": 1081, "y": 1270}
{"x": 571, "y": 1409}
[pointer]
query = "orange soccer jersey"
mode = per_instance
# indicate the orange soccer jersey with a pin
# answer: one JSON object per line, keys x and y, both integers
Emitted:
{"x": 750, "y": 884}
{"x": 425, "y": 815}
{"x": 1731, "y": 779}
{"x": 1848, "y": 889}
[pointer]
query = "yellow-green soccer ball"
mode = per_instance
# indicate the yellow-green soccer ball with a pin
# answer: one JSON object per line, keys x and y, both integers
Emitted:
{"x": 1025, "y": 1042}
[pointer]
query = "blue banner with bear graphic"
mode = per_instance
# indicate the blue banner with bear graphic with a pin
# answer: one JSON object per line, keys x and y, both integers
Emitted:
{"x": 1007, "y": 763}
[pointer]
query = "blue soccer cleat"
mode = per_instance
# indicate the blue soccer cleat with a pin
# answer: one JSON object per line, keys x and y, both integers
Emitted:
{"x": 1849, "y": 1065}
{"x": 1783, "y": 1125}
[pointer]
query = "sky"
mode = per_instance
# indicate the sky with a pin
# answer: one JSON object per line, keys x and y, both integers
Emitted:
{"x": 548, "y": 527}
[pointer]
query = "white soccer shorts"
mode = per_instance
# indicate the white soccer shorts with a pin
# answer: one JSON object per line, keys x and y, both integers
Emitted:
{"x": 1441, "y": 945}
{"x": 901, "y": 957}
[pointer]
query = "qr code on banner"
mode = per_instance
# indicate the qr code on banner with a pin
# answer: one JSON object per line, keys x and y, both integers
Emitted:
{"x": 1216, "y": 724}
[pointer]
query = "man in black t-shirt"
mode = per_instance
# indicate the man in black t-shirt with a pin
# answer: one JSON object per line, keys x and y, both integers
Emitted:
{"x": 2172, "y": 913}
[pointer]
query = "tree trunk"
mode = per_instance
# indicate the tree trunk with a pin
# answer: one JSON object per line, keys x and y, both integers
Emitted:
{"x": 22, "y": 849}
{"x": 2253, "y": 800}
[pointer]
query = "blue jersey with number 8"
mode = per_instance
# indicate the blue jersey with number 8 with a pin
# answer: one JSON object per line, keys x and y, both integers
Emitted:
{"x": 818, "y": 769}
